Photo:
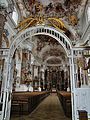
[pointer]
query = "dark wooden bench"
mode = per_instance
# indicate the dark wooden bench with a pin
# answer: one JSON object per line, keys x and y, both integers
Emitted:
{"x": 26, "y": 102}
{"x": 65, "y": 99}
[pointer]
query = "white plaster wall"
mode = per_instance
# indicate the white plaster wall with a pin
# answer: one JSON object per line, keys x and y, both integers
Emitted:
{"x": 83, "y": 100}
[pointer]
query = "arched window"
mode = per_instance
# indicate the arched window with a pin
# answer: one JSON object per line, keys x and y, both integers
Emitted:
{"x": 15, "y": 16}
{"x": 88, "y": 13}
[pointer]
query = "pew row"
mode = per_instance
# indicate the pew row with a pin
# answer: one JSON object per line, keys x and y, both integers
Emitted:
{"x": 65, "y": 99}
{"x": 26, "y": 102}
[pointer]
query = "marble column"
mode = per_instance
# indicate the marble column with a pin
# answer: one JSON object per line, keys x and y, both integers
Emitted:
{"x": 39, "y": 78}
{"x": 32, "y": 75}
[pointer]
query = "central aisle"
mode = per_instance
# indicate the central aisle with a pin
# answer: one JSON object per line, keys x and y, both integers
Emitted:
{"x": 49, "y": 109}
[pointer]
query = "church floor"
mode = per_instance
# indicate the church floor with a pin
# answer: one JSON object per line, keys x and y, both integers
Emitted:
{"x": 49, "y": 109}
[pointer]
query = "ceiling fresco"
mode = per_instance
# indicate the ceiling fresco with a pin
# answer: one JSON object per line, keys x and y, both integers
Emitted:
{"x": 61, "y": 8}
{"x": 53, "y": 52}
{"x": 44, "y": 40}
{"x": 64, "y": 13}
{"x": 68, "y": 11}
{"x": 47, "y": 47}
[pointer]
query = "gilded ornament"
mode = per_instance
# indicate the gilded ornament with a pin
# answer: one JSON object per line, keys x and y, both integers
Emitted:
{"x": 41, "y": 20}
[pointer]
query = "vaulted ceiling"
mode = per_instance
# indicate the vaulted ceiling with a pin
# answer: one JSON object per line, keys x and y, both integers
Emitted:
{"x": 45, "y": 48}
{"x": 69, "y": 11}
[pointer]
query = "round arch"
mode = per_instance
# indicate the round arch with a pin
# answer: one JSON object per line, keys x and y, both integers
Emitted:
{"x": 51, "y": 58}
{"x": 20, "y": 37}
{"x": 41, "y": 30}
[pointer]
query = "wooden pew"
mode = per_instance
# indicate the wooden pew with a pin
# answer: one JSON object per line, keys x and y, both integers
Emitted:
{"x": 26, "y": 102}
{"x": 65, "y": 99}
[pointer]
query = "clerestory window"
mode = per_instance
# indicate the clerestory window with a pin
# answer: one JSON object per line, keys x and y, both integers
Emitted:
{"x": 15, "y": 16}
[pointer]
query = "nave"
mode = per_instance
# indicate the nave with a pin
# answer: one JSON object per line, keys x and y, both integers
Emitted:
{"x": 44, "y": 44}
{"x": 49, "y": 109}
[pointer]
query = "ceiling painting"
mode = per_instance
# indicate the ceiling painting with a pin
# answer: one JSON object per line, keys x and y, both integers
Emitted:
{"x": 66, "y": 10}
{"x": 63, "y": 15}
{"x": 44, "y": 11}
{"x": 46, "y": 46}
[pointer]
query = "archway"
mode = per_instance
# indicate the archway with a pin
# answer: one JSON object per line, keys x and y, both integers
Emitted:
{"x": 38, "y": 30}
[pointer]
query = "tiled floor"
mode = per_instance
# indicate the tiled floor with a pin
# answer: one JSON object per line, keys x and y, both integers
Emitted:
{"x": 49, "y": 109}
